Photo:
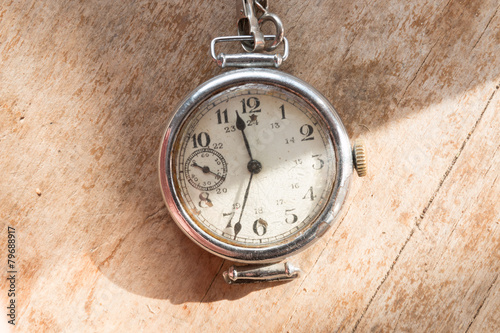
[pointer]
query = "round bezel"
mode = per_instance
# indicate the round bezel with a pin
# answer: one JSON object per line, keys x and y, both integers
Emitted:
{"x": 344, "y": 165}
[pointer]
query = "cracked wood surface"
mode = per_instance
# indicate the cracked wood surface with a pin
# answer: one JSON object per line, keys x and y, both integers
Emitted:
{"x": 87, "y": 88}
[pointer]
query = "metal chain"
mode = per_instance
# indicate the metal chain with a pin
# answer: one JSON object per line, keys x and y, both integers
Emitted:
{"x": 252, "y": 15}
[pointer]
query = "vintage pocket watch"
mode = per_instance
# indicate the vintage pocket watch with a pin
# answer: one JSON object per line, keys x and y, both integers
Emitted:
{"x": 255, "y": 164}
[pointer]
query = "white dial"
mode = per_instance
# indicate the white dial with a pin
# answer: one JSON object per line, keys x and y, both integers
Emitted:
{"x": 254, "y": 165}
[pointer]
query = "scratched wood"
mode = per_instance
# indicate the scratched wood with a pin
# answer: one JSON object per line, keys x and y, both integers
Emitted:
{"x": 86, "y": 90}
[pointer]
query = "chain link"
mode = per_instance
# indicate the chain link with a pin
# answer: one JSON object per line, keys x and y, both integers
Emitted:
{"x": 252, "y": 15}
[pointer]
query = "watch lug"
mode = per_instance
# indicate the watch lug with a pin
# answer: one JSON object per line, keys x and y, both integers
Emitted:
{"x": 261, "y": 273}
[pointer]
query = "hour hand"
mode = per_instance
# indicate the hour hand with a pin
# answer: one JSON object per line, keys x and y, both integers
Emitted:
{"x": 240, "y": 125}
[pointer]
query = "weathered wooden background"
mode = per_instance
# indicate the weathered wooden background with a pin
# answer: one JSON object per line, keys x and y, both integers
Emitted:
{"x": 86, "y": 88}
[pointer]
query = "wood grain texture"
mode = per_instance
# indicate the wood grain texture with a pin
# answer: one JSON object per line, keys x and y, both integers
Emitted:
{"x": 86, "y": 90}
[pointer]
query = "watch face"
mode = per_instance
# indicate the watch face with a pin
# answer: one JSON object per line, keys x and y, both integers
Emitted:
{"x": 250, "y": 167}
{"x": 264, "y": 193}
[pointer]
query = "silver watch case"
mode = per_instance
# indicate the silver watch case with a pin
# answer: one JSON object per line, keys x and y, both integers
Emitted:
{"x": 344, "y": 165}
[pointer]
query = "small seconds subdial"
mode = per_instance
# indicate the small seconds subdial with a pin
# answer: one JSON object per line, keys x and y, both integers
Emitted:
{"x": 206, "y": 169}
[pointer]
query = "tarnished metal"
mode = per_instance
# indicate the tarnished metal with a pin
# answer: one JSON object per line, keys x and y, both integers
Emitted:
{"x": 247, "y": 59}
{"x": 252, "y": 14}
{"x": 343, "y": 160}
{"x": 248, "y": 24}
{"x": 261, "y": 273}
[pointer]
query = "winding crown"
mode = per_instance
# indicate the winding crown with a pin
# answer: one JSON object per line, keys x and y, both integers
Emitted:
{"x": 359, "y": 157}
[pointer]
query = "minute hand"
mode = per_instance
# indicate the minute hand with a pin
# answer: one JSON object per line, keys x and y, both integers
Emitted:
{"x": 237, "y": 226}
{"x": 240, "y": 125}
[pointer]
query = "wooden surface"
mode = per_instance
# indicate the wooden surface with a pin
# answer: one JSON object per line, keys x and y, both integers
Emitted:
{"x": 86, "y": 90}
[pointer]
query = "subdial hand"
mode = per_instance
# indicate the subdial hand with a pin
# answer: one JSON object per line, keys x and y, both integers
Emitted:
{"x": 240, "y": 125}
{"x": 206, "y": 169}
